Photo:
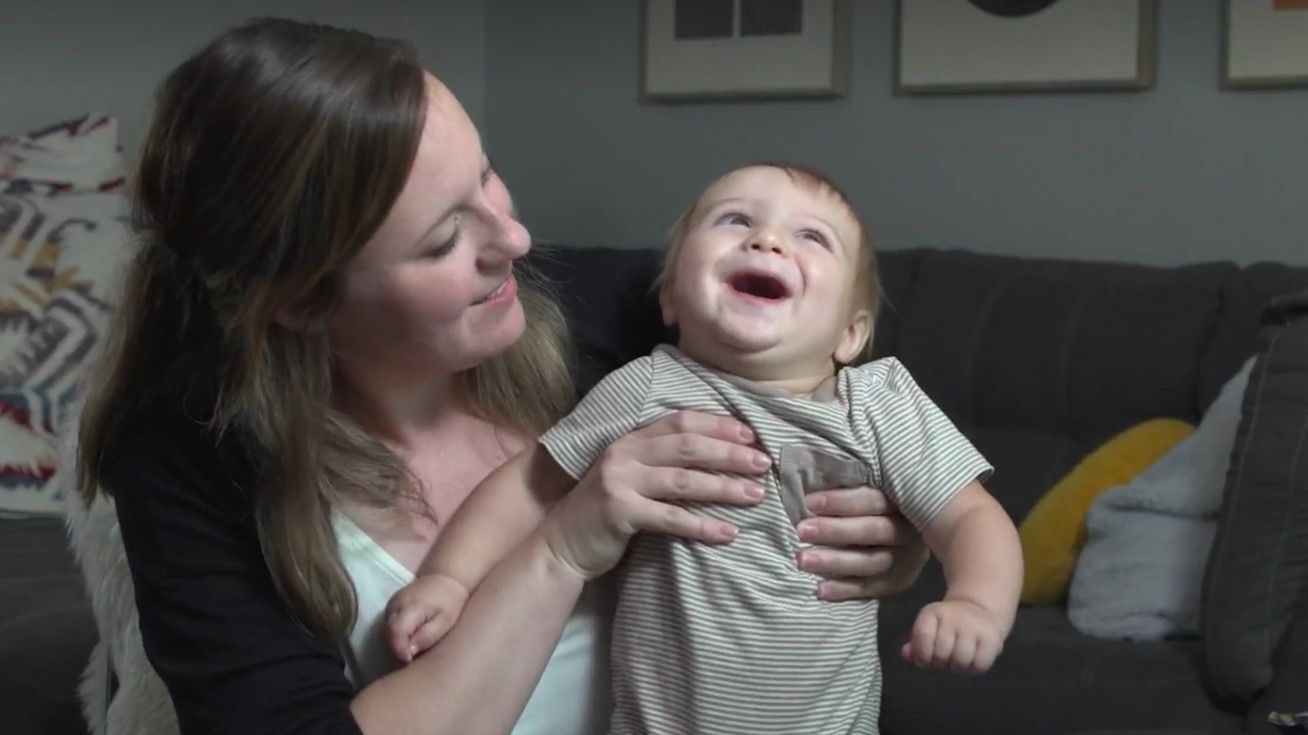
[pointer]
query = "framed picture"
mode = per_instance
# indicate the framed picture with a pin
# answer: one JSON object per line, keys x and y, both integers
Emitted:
{"x": 1265, "y": 43}
{"x": 716, "y": 49}
{"x": 1024, "y": 45}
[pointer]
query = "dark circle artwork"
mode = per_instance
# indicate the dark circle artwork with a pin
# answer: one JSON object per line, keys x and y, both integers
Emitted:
{"x": 1012, "y": 8}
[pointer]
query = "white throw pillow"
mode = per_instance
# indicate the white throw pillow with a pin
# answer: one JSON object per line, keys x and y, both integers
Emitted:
{"x": 1141, "y": 570}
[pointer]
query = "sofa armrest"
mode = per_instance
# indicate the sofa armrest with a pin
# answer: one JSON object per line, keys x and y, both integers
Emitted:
{"x": 1288, "y": 691}
{"x": 1258, "y": 567}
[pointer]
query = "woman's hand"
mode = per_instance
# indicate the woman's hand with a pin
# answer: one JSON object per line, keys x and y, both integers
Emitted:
{"x": 862, "y": 546}
{"x": 634, "y": 485}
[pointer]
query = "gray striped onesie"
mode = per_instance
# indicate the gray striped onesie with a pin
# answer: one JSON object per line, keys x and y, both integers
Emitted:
{"x": 731, "y": 639}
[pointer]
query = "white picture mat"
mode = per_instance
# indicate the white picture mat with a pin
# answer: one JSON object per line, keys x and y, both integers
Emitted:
{"x": 1265, "y": 43}
{"x": 952, "y": 42}
{"x": 753, "y": 64}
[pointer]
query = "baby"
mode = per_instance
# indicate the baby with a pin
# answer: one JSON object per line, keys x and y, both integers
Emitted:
{"x": 772, "y": 283}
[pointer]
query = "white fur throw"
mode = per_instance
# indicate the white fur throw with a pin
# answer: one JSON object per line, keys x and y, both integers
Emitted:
{"x": 141, "y": 705}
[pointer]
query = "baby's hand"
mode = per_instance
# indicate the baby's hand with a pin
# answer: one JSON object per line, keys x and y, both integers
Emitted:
{"x": 957, "y": 635}
{"x": 422, "y": 613}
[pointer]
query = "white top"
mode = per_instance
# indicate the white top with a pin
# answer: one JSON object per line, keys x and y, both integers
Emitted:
{"x": 573, "y": 693}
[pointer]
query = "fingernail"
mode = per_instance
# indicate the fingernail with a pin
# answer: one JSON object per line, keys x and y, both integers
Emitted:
{"x": 822, "y": 590}
{"x": 746, "y": 434}
{"x": 754, "y": 492}
{"x": 817, "y": 502}
{"x": 806, "y": 560}
{"x": 726, "y": 530}
{"x": 761, "y": 460}
{"x": 806, "y": 531}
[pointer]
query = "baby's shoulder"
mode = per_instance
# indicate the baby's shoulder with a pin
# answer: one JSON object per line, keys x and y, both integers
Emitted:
{"x": 886, "y": 373}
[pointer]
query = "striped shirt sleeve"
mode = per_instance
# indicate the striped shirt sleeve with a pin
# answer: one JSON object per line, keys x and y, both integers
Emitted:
{"x": 923, "y": 460}
{"x": 612, "y": 409}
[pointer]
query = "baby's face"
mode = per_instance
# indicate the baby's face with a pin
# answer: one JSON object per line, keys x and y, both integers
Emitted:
{"x": 763, "y": 281}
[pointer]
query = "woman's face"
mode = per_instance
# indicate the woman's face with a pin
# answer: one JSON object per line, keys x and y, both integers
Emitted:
{"x": 432, "y": 293}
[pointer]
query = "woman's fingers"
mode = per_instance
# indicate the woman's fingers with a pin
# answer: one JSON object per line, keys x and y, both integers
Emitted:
{"x": 700, "y": 452}
{"x": 883, "y": 530}
{"x": 849, "y": 502}
{"x": 677, "y": 521}
{"x": 679, "y": 483}
{"x": 857, "y": 588}
{"x": 725, "y": 428}
{"x": 834, "y": 563}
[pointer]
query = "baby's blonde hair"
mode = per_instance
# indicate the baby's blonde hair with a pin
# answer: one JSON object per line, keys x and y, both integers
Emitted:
{"x": 867, "y": 280}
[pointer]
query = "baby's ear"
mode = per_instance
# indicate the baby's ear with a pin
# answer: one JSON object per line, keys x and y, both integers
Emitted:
{"x": 855, "y": 337}
{"x": 665, "y": 306}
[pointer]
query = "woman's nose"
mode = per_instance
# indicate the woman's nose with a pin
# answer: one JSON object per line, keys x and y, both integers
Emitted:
{"x": 506, "y": 237}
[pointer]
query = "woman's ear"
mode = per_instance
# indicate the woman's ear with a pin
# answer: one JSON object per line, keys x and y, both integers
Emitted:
{"x": 307, "y": 314}
{"x": 296, "y": 318}
{"x": 855, "y": 337}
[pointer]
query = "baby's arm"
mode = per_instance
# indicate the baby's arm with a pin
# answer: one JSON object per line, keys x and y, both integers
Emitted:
{"x": 498, "y": 515}
{"x": 979, "y": 549}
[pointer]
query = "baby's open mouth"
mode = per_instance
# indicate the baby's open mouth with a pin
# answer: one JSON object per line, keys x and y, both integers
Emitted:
{"x": 759, "y": 285}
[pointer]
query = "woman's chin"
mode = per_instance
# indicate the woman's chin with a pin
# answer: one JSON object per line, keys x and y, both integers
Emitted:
{"x": 507, "y": 329}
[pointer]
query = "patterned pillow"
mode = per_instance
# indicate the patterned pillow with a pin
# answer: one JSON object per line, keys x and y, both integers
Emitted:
{"x": 64, "y": 235}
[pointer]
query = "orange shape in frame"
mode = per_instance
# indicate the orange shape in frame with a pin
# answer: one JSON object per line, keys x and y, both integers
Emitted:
{"x": 1289, "y": 4}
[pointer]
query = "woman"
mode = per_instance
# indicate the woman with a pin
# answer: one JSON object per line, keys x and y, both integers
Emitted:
{"x": 322, "y": 342}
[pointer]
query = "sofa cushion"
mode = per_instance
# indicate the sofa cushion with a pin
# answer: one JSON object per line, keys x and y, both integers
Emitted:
{"x": 1049, "y": 679}
{"x": 46, "y": 628}
{"x": 1072, "y": 351}
{"x": 1258, "y": 568}
{"x": 1140, "y": 573}
{"x": 606, "y": 296}
{"x": 1053, "y": 533}
{"x": 898, "y": 274}
{"x": 1288, "y": 692}
{"x": 1246, "y": 294}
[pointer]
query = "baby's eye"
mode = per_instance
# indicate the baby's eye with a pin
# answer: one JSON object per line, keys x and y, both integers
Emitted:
{"x": 815, "y": 236}
{"x": 734, "y": 218}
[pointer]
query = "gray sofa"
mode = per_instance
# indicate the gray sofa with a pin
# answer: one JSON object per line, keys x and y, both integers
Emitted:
{"x": 1038, "y": 361}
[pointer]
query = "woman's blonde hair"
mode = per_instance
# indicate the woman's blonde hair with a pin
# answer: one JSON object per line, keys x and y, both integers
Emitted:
{"x": 867, "y": 280}
{"x": 275, "y": 153}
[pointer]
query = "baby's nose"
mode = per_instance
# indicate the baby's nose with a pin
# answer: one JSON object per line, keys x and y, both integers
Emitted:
{"x": 766, "y": 244}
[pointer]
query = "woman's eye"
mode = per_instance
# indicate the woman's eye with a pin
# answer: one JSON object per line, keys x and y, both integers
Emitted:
{"x": 445, "y": 247}
{"x": 734, "y": 218}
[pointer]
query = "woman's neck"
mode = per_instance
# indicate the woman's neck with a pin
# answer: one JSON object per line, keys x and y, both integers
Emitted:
{"x": 401, "y": 413}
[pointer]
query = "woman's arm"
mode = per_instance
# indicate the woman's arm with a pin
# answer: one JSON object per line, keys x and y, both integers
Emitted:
{"x": 212, "y": 624}
{"x": 235, "y": 661}
{"x": 480, "y": 676}
{"x": 500, "y": 513}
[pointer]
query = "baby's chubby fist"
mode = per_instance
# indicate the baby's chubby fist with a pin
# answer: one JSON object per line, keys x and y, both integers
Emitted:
{"x": 955, "y": 634}
{"x": 420, "y": 614}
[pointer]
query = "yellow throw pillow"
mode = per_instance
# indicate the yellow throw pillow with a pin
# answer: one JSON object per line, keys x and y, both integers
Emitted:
{"x": 1054, "y": 531}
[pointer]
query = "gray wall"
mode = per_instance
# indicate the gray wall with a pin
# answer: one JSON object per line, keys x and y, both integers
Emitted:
{"x": 1177, "y": 173}
{"x": 61, "y": 59}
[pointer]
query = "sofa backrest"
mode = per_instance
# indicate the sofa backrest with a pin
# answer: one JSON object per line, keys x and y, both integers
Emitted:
{"x": 1037, "y": 361}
